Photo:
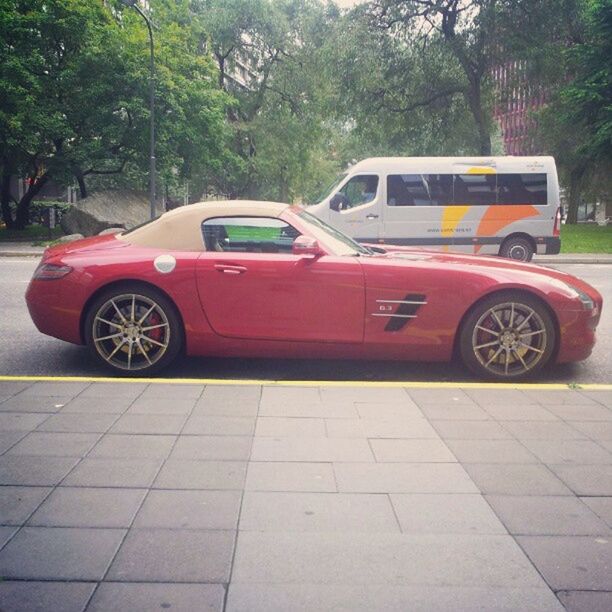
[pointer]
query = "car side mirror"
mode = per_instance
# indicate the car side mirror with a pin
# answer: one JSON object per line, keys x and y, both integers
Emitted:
{"x": 306, "y": 247}
{"x": 338, "y": 201}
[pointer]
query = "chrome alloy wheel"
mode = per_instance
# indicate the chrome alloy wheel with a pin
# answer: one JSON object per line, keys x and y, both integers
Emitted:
{"x": 509, "y": 339}
{"x": 131, "y": 332}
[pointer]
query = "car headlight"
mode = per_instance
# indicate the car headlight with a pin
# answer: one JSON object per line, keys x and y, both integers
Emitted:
{"x": 587, "y": 302}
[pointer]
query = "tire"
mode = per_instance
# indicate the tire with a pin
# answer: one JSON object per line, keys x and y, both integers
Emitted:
{"x": 507, "y": 336}
{"x": 517, "y": 248}
{"x": 133, "y": 329}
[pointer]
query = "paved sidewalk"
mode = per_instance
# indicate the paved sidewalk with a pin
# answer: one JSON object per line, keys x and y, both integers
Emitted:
{"x": 128, "y": 496}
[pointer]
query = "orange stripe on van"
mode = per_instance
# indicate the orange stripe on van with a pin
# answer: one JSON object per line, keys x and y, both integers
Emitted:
{"x": 496, "y": 218}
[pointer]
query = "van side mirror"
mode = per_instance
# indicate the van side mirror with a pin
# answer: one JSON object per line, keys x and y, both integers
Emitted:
{"x": 306, "y": 247}
{"x": 338, "y": 201}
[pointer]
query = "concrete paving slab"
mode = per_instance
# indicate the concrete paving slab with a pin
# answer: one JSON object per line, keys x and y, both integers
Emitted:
{"x": 490, "y": 451}
{"x": 84, "y": 507}
{"x": 113, "y": 390}
{"x": 310, "y": 449}
{"x": 17, "y": 596}
{"x": 77, "y": 423}
{"x": 596, "y": 430}
{"x": 317, "y": 512}
{"x": 411, "y": 451}
{"x": 149, "y": 424}
{"x": 382, "y": 558}
{"x": 221, "y": 448}
{"x": 402, "y": 478}
{"x": 571, "y": 562}
{"x": 440, "y": 397}
{"x": 445, "y": 513}
{"x": 601, "y": 506}
{"x": 9, "y": 439}
{"x": 228, "y": 400}
{"x": 21, "y": 403}
{"x": 172, "y": 392}
{"x": 189, "y": 510}
{"x": 34, "y": 471}
{"x": 59, "y": 553}
{"x": 20, "y": 421}
{"x": 97, "y": 405}
{"x": 289, "y": 476}
{"x": 586, "y": 601}
{"x": 134, "y": 446}
{"x": 190, "y": 474}
{"x": 55, "y": 389}
{"x": 55, "y": 444}
{"x": 219, "y": 426}
{"x": 580, "y": 452}
{"x": 487, "y": 398}
{"x": 6, "y": 533}
{"x": 144, "y": 597}
{"x": 281, "y": 396}
{"x": 452, "y": 412}
{"x": 577, "y": 412}
{"x": 586, "y": 479}
{"x": 546, "y": 515}
{"x": 305, "y": 408}
{"x": 601, "y": 397}
{"x": 390, "y": 427}
{"x": 148, "y": 405}
{"x": 519, "y": 412}
{"x": 365, "y": 598}
{"x": 173, "y": 555}
{"x": 18, "y": 503}
{"x": 549, "y": 397}
{"x": 378, "y": 395}
{"x": 113, "y": 472}
{"x": 8, "y": 388}
{"x": 392, "y": 411}
{"x": 515, "y": 479}
{"x": 471, "y": 430}
{"x": 543, "y": 430}
{"x": 292, "y": 427}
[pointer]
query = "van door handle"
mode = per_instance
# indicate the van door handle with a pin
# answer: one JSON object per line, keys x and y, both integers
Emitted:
{"x": 230, "y": 269}
{"x": 371, "y": 216}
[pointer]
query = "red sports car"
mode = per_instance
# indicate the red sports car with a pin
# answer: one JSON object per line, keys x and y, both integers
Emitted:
{"x": 269, "y": 280}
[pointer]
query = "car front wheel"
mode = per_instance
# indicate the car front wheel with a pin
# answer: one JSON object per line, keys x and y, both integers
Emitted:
{"x": 133, "y": 330}
{"x": 507, "y": 337}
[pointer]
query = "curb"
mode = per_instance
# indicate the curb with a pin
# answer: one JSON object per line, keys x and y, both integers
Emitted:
{"x": 21, "y": 253}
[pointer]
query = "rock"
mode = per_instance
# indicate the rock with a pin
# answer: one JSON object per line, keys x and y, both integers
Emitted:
{"x": 111, "y": 230}
{"x": 105, "y": 210}
{"x": 71, "y": 238}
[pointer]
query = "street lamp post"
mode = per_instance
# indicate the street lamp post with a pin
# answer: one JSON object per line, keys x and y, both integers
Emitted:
{"x": 134, "y": 5}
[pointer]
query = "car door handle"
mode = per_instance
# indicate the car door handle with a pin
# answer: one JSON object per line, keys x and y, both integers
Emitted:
{"x": 370, "y": 216}
{"x": 230, "y": 269}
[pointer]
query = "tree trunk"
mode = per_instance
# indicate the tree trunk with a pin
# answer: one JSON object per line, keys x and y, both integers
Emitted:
{"x": 78, "y": 175}
{"x": 474, "y": 96}
{"x": 5, "y": 198}
{"x": 23, "y": 206}
{"x": 574, "y": 193}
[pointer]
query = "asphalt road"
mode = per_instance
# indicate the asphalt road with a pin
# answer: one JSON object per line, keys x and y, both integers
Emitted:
{"x": 24, "y": 351}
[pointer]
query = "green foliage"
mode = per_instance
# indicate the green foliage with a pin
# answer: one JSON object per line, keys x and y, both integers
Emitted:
{"x": 586, "y": 238}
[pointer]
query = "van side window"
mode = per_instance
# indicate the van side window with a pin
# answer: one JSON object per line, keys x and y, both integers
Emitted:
{"x": 475, "y": 189}
{"x": 419, "y": 189}
{"x": 359, "y": 190}
{"x": 522, "y": 189}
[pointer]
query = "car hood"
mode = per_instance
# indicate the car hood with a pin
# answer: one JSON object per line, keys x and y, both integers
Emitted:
{"x": 503, "y": 270}
{"x": 94, "y": 243}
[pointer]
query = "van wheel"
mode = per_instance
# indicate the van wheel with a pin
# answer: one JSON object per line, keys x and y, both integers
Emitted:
{"x": 517, "y": 248}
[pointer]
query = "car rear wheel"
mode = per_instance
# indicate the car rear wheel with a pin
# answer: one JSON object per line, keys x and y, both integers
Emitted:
{"x": 507, "y": 337}
{"x": 517, "y": 248}
{"x": 135, "y": 330}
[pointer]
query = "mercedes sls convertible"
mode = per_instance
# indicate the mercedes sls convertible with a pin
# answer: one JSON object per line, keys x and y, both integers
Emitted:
{"x": 259, "y": 279}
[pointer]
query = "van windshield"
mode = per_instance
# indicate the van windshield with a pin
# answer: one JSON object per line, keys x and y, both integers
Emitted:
{"x": 350, "y": 246}
{"x": 329, "y": 188}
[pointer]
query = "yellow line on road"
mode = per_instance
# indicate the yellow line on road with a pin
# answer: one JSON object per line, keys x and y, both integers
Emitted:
{"x": 311, "y": 383}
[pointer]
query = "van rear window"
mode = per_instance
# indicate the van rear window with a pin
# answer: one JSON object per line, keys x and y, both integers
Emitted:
{"x": 466, "y": 189}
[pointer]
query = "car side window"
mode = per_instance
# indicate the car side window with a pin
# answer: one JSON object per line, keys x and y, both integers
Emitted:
{"x": 248, "y": 235}
{"x": 359, "y": 190}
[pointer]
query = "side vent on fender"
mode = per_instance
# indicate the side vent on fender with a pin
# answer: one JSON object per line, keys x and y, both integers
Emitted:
{"x": 400, "y": 312}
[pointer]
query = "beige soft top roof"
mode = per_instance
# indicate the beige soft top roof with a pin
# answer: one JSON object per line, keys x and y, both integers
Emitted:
{"x": 180, "y": 229}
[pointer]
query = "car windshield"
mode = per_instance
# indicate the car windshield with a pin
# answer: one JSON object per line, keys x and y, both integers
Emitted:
{"x": 354, "y": 248}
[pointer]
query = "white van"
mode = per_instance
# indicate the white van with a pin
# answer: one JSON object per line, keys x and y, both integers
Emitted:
{"x": 506, "y": 206}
